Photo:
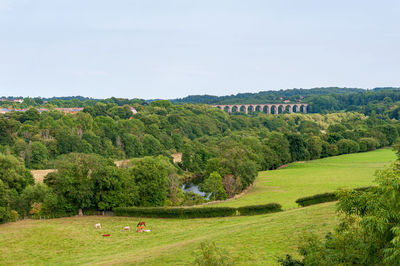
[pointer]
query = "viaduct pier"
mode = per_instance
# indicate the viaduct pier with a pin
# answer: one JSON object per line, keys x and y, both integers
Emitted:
{"x": 274, "y": 108}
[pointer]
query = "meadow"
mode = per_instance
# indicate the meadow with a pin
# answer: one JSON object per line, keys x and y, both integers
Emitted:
{"x": 302, "y": 179}
{"x": 250, "y": 240}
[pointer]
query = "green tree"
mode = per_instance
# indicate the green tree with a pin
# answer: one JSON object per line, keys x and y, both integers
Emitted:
{"x": 280, "y": 145}
{"x": 113, "y": 187}
{"x": 74, "y": 180}
{"x": 30, "y": 115}
{"x": 151, "y": 178}
{"x": 347, "y": 146}
{"x": 297, "y": 146}
{"x": 132, "y": 145}
{"x": 7, "y": 129}
{"x": 314, "y": 147}
{"x": 37, "y": 155}
{"x": 213, "y": 185}
{"x": 13, "y": 173}
{"x": 151, "y": 146}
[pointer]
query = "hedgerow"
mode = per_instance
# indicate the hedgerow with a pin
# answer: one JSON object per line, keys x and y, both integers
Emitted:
{"x": 195, "y": 212}
{"x": 178, "y": 212}
{"x": 323, "y": 197}
{"x": 260, "y": 209}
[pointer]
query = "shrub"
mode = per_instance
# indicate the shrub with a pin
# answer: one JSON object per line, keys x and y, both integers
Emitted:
{"x": 212, "y": 255}
{"x": 14, "y": 216}
{"x": 260, "y": 209}
{"x": 324, "y": 197}
{"x": 191, "y": 198}
{"x": 289, "y": 261}
{"x": 160, "y": 212}
{"x": 318, "y": 198}
{"x": 4, "y": 215}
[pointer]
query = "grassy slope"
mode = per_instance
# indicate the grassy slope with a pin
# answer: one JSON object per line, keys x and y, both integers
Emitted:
{"x": 254, "y": 240}
{"x": 301, "y": 179}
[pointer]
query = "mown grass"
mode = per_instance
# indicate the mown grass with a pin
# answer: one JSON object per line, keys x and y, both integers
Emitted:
{"x": 302, "y": 179}
{"x": 252, "y": 240}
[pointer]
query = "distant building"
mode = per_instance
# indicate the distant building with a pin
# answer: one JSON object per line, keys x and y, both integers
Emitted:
{"x": 12, "y": 100}
{"x": 286, "y": 101}
{"x": 72, "y": 110}
{"x": 4, "y": 110}
{"x": 133, "y": 110}
{"x": 69, "y": 110}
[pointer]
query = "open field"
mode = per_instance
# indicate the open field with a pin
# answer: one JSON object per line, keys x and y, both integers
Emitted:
{"x": 39, "y": 175}
{"x": 301, "y": 179}
{"x": 252, "y": 240}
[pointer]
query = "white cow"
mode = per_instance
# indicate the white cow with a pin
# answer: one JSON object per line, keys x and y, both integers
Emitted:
{"x": 97, "y": 226}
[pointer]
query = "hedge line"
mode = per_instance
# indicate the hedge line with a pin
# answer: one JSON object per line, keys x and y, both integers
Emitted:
{"x": 324, "y": 197}
{"x": 199, "y": 212}
{"x": 259, "y": 209}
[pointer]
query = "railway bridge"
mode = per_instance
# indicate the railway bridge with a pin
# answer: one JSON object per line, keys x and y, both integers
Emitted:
{"x": 272, "y": 108}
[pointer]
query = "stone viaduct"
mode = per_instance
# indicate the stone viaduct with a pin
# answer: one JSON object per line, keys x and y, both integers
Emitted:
{"x": 273, "y": 108}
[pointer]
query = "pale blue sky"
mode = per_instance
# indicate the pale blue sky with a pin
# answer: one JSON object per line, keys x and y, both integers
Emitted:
{"x": 169, "y": 48}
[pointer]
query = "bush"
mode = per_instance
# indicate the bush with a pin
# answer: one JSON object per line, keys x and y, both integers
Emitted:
{"x": 14, "y": 216}
{"x": 212, "y": 255}
{"x": 318, "y": 198}
{"x": 260, "y": 209}
{"x": 160, "y": 212}
{"x": 324, "y": 197}
{"x": 289, "y": 261}
{"x": 4, "y": 215}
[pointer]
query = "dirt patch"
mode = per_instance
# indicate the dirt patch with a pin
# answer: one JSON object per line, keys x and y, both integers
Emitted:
{"x": 282, "y": 166}
{"x": 122, "y": 163}
{"x": 244, "y": 192}
{"x": 39, "y": 175}
{"x": 177, "y": 157}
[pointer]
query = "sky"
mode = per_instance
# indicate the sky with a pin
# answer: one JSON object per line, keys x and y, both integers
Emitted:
{"x": 173, "y": 48}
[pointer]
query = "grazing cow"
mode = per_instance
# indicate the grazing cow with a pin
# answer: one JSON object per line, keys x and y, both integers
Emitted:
{"x": 97, "y": 226}
{"x": 141, "y": 223}
{"x": 127, "y": 228}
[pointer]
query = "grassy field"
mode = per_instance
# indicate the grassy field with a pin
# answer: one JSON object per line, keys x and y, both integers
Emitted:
{"x": 301, "y": 179}
{"x": 252, "y": 240}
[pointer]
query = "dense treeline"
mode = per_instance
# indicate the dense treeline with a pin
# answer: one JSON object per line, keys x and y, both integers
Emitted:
{"x": 273, "y": 96}
{"x": 221, "y": 153}
{"x": 320, "y": 100}
{"x": 73, "y": 101}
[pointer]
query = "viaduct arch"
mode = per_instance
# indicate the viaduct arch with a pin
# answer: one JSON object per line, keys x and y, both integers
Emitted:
{"x": 274, "y": 108}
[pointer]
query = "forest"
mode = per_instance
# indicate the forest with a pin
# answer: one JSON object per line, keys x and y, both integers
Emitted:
{"x": 221, "y": 153}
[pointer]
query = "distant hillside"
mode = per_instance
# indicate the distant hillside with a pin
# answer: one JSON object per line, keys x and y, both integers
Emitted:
{"x": 266, "y": 96}
{"x": 382, "y": 100}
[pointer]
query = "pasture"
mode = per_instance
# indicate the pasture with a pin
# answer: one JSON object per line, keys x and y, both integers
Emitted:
{"x": 302, "y": 179}
{"x": 251, "y": 240}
